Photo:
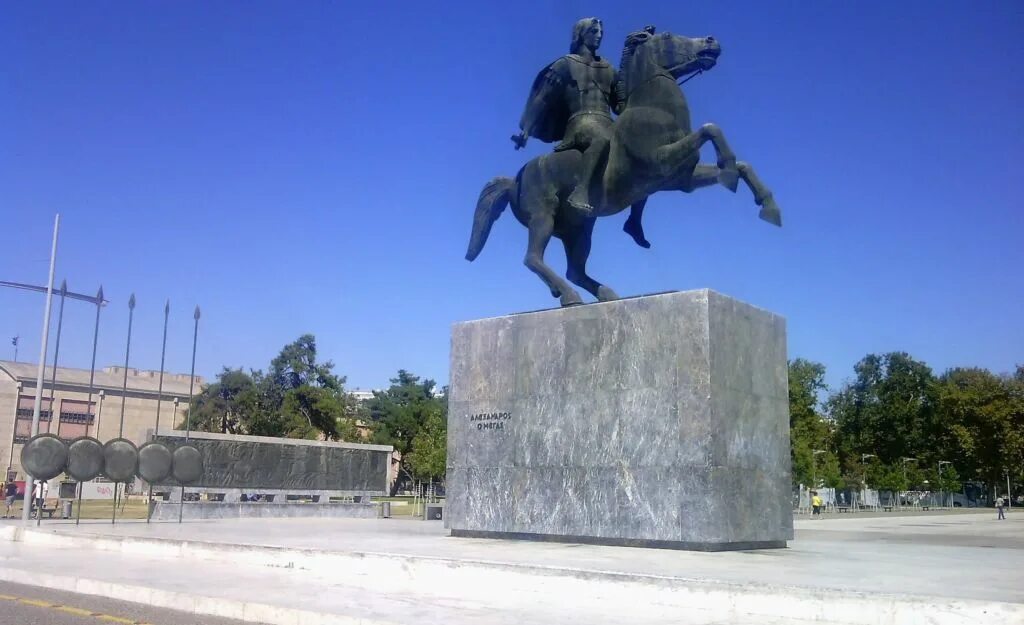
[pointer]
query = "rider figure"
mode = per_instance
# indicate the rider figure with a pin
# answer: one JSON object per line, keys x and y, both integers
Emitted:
{"x": 570, "y": 102}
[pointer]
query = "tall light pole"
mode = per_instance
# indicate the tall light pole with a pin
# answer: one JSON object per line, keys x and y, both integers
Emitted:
{"x": 941, "y": 490}
{"x": 864, "y": 479}
{"x": 904, "y": 460}
{"x": 814, "y": 466}
{"x": 29, "y": 481}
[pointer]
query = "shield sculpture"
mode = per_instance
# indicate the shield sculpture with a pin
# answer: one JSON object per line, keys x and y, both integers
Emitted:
{"x": 44, "y": 456}
{"x": 187, "y": 465}
{"x": 154, "y": 462}
{"x": 120, "y": 460}
{"x": 85, "y": 458}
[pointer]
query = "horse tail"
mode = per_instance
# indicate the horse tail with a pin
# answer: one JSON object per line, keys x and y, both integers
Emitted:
{"x": 494, "y": 198}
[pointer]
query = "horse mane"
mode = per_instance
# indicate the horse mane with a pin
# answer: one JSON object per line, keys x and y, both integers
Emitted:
{"x": 633, "y": 41}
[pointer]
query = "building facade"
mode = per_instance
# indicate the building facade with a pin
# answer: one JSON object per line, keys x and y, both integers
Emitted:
{"x": 72, "y": 412}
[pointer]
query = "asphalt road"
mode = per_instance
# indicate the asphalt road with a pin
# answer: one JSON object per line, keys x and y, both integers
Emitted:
{"x": 30, "y": 605}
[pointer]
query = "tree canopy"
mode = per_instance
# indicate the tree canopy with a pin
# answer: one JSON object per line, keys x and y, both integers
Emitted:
{"x": 298, "y": 397}
{"x": 896, "y": 421}
{"x": 412, "y": 417}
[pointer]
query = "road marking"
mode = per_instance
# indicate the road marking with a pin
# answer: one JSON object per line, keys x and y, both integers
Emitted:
{"x": 115, "y": 619}
{"x": 75, "y": 611}
{"x": 37, "y": 603}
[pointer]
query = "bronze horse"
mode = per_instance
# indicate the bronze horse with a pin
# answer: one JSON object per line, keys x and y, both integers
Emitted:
{"x": 653, "y": 149}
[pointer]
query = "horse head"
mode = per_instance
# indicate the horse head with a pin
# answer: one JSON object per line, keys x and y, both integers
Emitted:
{"x": 647, "y": 55}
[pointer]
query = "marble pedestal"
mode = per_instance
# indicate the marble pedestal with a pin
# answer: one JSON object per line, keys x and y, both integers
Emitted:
{"x": 657, "y": 421}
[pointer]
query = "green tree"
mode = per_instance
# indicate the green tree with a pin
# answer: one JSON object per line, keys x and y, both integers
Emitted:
{"x": 809, "y": 431}
{"x": 888, "y": 410}
{"x": 296, "y": 366}
{"x": 887, "y": 477}
{"x": 430, "y": 448}
{"x": 399, "y": 413}
{"x": 1014, "y": 442}
{"x": 981, "y": 421}
{"x": 298, "y": 397}
{"x": 312, "y": 411}
{"x": 223, "y": 405}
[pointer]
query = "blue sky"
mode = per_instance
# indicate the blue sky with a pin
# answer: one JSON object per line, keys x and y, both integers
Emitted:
{"x": 313, "y": 167}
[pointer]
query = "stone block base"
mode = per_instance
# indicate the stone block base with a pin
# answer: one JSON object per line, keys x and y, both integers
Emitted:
{"x": 656, "y": 421}
{"x": 624, "y": 542}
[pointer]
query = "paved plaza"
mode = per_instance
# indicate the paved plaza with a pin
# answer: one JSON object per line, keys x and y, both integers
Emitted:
{"x": 935, "y": 567}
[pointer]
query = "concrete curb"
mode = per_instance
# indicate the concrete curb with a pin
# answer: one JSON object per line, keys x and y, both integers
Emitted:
{"x": 249, "y": 612}
{"x": 499, "y": 583}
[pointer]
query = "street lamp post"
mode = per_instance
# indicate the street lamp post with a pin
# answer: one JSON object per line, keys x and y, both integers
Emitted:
{"x": 814, "y": 466}
{"x": 904, "y": 460}
{"x": 942, "y": 493}
{"x": 37, "y": 404}
{"x": 864, "y": 481}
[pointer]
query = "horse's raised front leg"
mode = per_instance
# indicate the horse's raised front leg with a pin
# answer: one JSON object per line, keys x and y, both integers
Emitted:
{"x": 762, "y": 195}
{"x": 577, "y": 251}
{"x": 541, "y": 227}
{"x": 676, "y": 153}
{"x": 707, "y": 175}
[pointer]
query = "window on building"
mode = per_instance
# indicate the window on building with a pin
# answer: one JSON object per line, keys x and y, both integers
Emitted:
{"x": 76, "y": 417}
{"x": 23, "y": 422}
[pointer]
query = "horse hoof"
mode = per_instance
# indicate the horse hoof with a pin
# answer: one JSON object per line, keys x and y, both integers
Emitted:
{"x": 729, "y": 177}
{"x": 604, "y": 294}
{"x": 572, "y": 298}
{"x": 770, "y": 212}
{"x": 636, "y": 231}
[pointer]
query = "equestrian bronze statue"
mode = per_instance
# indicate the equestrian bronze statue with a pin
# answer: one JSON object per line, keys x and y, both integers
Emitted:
{"x": 602, "y": 166}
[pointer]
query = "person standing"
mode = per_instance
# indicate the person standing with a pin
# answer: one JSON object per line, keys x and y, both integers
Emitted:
{"x": 41, "y": 489}
{"x": 999, "y": 506}
{"x": 10, "y": 494}
{"x": 815, "y": 503}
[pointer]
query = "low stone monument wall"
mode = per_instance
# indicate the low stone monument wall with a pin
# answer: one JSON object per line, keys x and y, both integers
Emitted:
{"x": 654, "y": 421}
{"x": 279, "y": 471}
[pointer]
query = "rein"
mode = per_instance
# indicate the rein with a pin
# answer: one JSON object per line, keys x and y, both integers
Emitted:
{"x": 665, "y": 74}
{"x": 692, "y": 75}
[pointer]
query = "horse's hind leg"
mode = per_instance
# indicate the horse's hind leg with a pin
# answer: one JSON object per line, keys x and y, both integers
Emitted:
{"x": 577, "y": 251}
{"x": 634, "y": 225}
{"x": 541, "y": 227}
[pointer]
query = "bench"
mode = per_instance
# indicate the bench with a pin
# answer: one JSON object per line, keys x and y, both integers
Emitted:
{"x": 49, "y": 508}
{"x": 925, "y": 507}
{"x": 887, "y": 508}
{"x": 843, "y": 508}
{"x": 49, "y": 511}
